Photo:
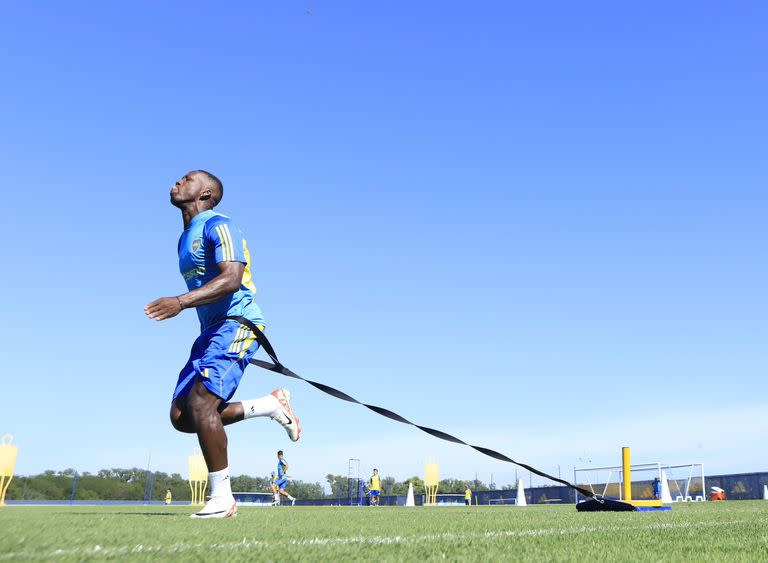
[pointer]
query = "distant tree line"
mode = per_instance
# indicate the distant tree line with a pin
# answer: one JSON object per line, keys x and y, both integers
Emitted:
{"x": 389, "y": 485}
{"x": 133, "y": 484}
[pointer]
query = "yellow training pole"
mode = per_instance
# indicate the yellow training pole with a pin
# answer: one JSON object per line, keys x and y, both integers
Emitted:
{"x": 8, "y": 453}
{"x": 198, "y": 477}
{"x": 626, "y": 475}
{"x": 431, "y": 482}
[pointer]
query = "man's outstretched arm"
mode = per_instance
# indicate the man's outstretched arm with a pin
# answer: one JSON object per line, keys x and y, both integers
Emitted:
{"x": 226, "y": 283}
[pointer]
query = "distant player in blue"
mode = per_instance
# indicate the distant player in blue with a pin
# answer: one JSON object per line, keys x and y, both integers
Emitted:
{"x": 215, "y": 263}
{"x": 281, "y": 479}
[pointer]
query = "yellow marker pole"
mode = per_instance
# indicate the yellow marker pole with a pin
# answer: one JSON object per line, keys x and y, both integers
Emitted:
{"x": 431, "y": 482}
{"x": 626, "y": 475}
{"x": 198, "y": 477}
{"x": 8, "y": 453}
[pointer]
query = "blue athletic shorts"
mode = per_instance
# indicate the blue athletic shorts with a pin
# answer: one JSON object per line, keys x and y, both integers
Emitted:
{"x": 218, "y": 358}
{"x": 281, "y": 483}
{"x": 375, "y": 493}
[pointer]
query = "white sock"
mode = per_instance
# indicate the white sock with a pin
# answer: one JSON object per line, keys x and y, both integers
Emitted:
{"x": 290, "y": 497}
{"x": 277, "y": 498}
{"x": 263, "y": 406}
{"x": 220, "y": 485}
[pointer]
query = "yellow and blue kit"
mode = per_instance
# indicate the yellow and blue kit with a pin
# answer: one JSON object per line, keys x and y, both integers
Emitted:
{"x": 282, "y": 478}
{"x": 375, "y": 486}
{"x": 224, "y": 348}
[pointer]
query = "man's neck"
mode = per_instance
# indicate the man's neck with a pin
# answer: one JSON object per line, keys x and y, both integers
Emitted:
{"x": 190, "y": 211}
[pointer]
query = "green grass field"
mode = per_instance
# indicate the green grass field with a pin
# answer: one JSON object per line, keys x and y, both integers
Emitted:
{"x": 712, "y": 531}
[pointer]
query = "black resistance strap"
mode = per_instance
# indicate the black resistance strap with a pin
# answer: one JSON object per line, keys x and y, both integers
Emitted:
{"x": 277, "y": 367}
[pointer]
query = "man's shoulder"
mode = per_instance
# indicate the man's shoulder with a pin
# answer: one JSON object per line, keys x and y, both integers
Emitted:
{"x": 219, "y": 226}
{"x": 217, "y": 219}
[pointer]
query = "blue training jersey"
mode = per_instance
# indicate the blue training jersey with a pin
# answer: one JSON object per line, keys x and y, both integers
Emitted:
{"x": 281, "y": 468}
{"x": 209, "y": 239}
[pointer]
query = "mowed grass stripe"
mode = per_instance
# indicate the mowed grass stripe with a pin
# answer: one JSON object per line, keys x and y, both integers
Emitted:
{"x": 733, "y": 531}
{"x": 247, "y": 544}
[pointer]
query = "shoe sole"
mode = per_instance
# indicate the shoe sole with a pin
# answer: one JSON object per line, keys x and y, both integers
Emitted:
{"x": 231, "y": 513}
{"x": 285, "y": 403}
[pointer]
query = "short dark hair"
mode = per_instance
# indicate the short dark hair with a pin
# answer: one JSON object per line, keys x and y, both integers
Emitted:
{"x": 375, "y": 469}
{"x": 279, "y": 452}
{"x": 217, "y": 187}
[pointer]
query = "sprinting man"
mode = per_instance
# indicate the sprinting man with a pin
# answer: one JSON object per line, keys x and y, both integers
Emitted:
{"x": 375, "y": 488}
{"x": 282, "y": 479}
{"x": 216, "y": 265}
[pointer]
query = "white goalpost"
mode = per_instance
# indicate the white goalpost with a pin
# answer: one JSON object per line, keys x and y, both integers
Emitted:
{"x": 676, "y": 483}
{"x": 685, "y": 483}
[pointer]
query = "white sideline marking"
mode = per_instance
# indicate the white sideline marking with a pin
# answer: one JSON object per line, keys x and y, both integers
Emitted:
{"x": 247, "y": 544}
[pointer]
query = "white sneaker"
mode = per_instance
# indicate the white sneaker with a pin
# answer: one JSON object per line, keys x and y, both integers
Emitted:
{"x": 285, "y": 416}
{"x": 218, "y": 507}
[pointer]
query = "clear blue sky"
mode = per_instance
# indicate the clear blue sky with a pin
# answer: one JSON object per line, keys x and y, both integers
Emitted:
{"x": 540, "y": 226}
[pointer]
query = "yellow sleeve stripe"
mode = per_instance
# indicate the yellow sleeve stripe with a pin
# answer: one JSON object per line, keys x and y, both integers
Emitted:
{"x": 227, "y": 248}
{"x": 223, "y": 244}
{"x": 230, "y": 246}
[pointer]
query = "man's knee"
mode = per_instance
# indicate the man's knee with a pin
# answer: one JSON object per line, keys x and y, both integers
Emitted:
{"x": 179, "y": 421}
{"x": 202, "y": 404}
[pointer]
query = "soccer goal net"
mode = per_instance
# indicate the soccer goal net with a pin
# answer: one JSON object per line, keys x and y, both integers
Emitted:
{"x": 685, "y": 482}
{"x": 650, "y": 481}
{"x": 447, "y": 499}
{"x": 501, "y": 501}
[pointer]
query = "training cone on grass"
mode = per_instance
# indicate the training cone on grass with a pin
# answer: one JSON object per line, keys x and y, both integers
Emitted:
{"x": 409, "y": 499}
{"x": 666, "y": 496}
{"x": 520, "y": 500}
